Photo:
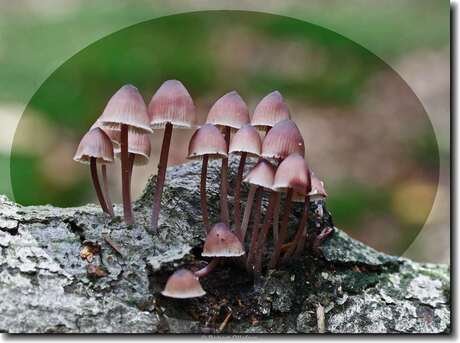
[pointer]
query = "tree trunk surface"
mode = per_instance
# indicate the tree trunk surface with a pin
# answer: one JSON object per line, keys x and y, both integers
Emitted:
{"x": 76, "y": 270}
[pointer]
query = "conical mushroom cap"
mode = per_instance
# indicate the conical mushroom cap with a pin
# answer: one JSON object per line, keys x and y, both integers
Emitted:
{"x": 229, "y": 111}
{"x": 207, "y": 140}
{"x": 292, "y": 173}
{"x": 183, "y": 284}
{"x": 262, "y": 174}
{"x": 221, "y": 242}
{"x": 246, "y": 139}
{"x": 173, "y": 104}
{"x": 126, "y": 106}
{"x": 139, "y": 145}
{"x": 95, "y": 143}
{"x": 270, "y": 110}
{"x": 114, "y": 135}
{"x": 282, "y": 140}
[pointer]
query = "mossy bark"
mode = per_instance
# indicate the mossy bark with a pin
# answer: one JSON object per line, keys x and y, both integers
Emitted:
{"x": 77, "y": 270}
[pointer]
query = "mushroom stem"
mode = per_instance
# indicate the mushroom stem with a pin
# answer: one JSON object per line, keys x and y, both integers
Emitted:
{"x": 131, "y": 165}
{"x": 276, "y": 216}
{"x": 161, "y": 177}
{"x": 97, "y": 185}
{"x": 300, "y": 236}
{"x": 239, "y": 179}
{"x": 125, "y": 178}
{"x": 255, "y": 232}
{"x": 105, "y": 181}
{"x": 241, "y": 233}
{"x": 260, "y": 244}
{"x": 224, "y": 182}
{"x": 209, "y": 268}
{"x": 203, "y": 201}
{"x": 283, "y": 231}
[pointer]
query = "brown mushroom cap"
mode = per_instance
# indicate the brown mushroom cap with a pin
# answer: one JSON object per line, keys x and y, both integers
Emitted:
{"x": 207, "y": 140}
{"x": 229, "y": 111}
{"x": 282, "y": 140}
{"x": 317, "y": 190}
{"x": 292, "y": 173}
{"x": 139, "y": 145}
{"x": 126, "y": 106}
{"x": 173, "y": 104}
{"x": 183, "y": 284}
{"x": 270, "y": 110}
{"x": 221, "y": 242}
{"x": 246, "y": 139}
{"x": 262, "y": 174}
{"x": 95, "y": 143}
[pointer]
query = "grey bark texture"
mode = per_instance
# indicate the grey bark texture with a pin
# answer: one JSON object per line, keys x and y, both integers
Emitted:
{"x": 76, "y": 270}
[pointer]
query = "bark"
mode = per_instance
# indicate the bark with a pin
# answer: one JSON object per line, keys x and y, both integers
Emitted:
{"x": 77, "y": 270}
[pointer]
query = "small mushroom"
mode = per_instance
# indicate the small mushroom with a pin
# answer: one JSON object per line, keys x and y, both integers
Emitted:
{"x": 270, "y": 111}
{"x": 183, "y": 284}
{"x": 245, "y": 142}
{"x": 291, "y": 176}
{"x": 228, "y": 112}
{"x": 220, "y": 242}
{"x": 262, "y": 175}
{"x": 95, "y": 147}
{"x": 318, "y": 192}
{"x": 114, "y": 136}
{"x": 171, "y": 105}
{"x": 126, "y": 109}
{"x": 207, "y": 142}
{"x": 281, "y": 141}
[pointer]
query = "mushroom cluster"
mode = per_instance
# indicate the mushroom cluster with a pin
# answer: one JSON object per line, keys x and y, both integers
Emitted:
{"x": 270, "y": 138}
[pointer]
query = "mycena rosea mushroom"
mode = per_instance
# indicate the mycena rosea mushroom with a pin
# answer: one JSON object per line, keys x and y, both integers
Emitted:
{"x": 262, "y": 175}
{"x": 96, "y": 147}
{"x": 114, "y": 136}
{"x": 282, "y": 140}
{"x": 270, "y": 111}
{"x": 291, "y": 176}
{"x": 228, "y": 112}
{"x": 317, "y": 194}
{"x": 220, "y": 242}
{"x": 125, "y": 110}
{"x": 183, "y": 284}
{"x": 207, "y": 142}
{"x": 170, "y": 106}
{"x": 245, "y": 142}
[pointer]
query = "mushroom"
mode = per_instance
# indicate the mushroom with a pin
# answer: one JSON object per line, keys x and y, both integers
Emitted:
{"x": 138, "y": 148}
{"x": 292, "y": 176}
{"x": 207, "y": 142}
{"x": 96, "y": 147}
{"x": 317, "y": 193}
{"x": 220, "y": 242}
{"x": 126, "y": 109}
{"x": 246, "y": 141}
{"x": 114, "y": 136}
{"x": 171, "y": 105}
{"x": 183, "y": 284}
{"x": 262, "y": 175}
{"x": 228, "y": 112}
{"x": 283, "y": 139}
{"x": 270, "y": 111}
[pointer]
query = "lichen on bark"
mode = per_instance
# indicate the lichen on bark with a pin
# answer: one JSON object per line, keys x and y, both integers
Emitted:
{"x": 47, "y": 284}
